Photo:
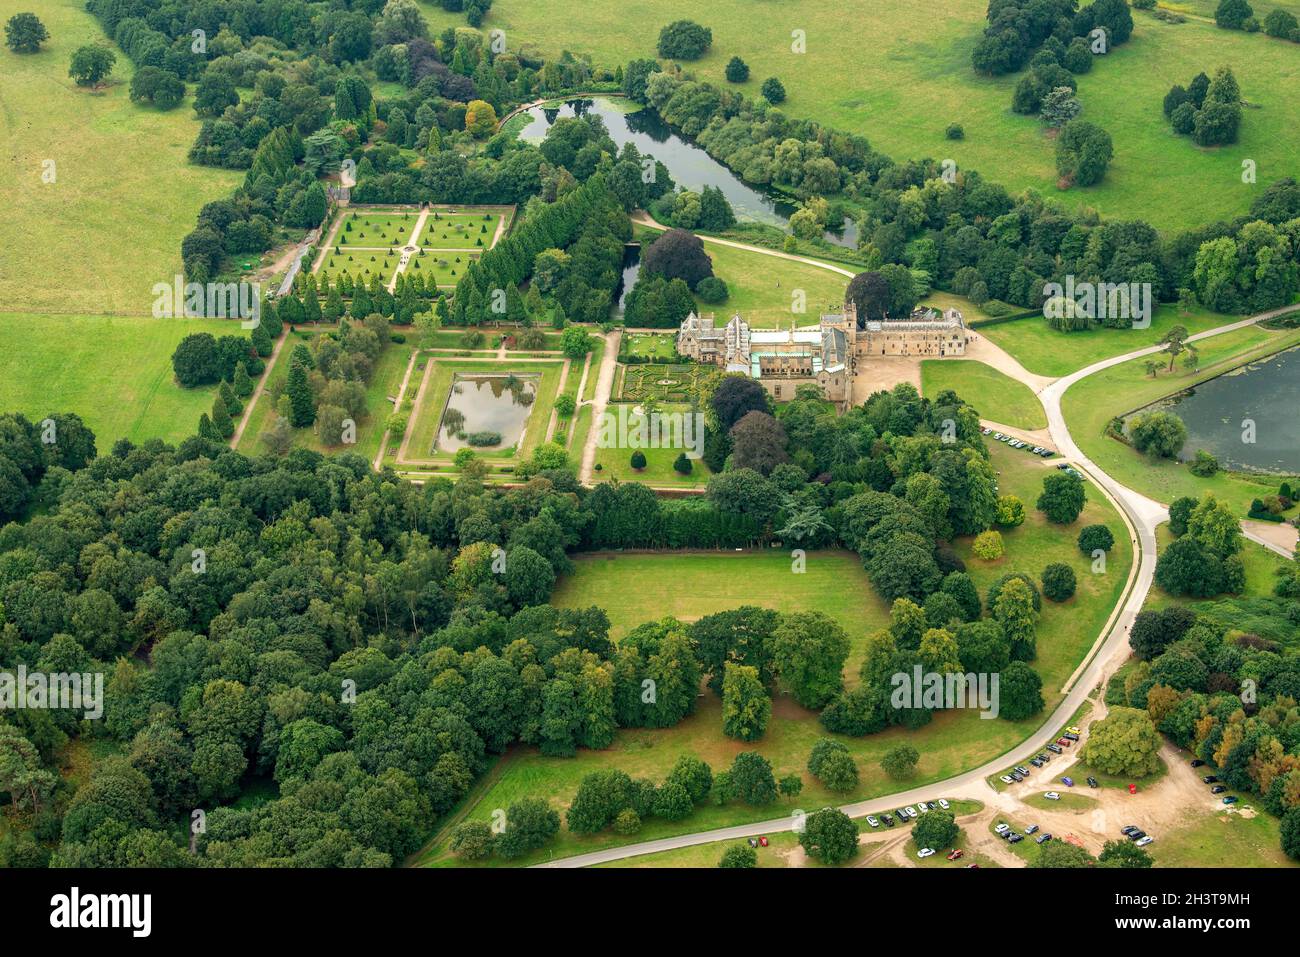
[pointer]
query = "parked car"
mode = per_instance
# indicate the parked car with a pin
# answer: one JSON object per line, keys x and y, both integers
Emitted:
{"x": 986, "y": 431}
{"x": 1092, "y": 783}
{"x": 1036, "y": 762}
{"x": 1064, "y": 742}
{"x": 1070, "y": 736}
{"x": 1055, "y": 749}
{"x": 888, "y": 819}
{"x": 1063, "y": 466}
{"x": 1042, "y": 838}
{"x": 1072, "y": 730}
{"x": 925, "y": 852}
{"x": 911, "y": 811}
{"x": 1006, "y": 779}
{"x": 1014, "y": 838}
{"x": 873, "y": 821}
{"x": 1128, "y": 829}
{"x": 1197, "y": 763}
{"x": 1210, "y": 779}
{"x": 956, "y": 854}
{"x": 902, "y": 816}
{"x": 923, "y": 808}
{"x": 1017, "y": 776}
{"x": 1068, "y": 782}
{"x": 944, "y": 804}
{"x": 1230, "y": 799}
{"x": 1052, "y": 796}
{"x": 1218, "y": 789}
{"x": 1023, "y": 770}
{"x": 1032, "y": 829}
{"x": 1002, "y": 827}
{"x": 1043, "y": 757}
{"x": 1136, "y": 834}
{"x": 1145, "y": 840}
{"x": 1047, "y": 453}
{"x": 753, "y": 842}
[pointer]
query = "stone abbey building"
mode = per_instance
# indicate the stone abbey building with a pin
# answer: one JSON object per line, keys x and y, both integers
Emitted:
{"x": 827, "y": 355}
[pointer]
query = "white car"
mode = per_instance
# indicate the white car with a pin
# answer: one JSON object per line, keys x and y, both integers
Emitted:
{"x": 944, "y": 804}
{"x": 925, "y": 852}
{"x": 1143, "y": 842}
{"x": 1002, "y": 828}
{"x": 1006, "y": 779}
{"x": 1052, "y": 796}
{"x": 872, "y": 821}
{"x": 923, "y": 808}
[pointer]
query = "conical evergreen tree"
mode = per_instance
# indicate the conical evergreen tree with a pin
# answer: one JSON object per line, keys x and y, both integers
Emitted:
{"x": 302, "y": 408}
{"x": 221, "y": 418}
{"x": 206, "y": 431}
{"x": 227, "y": 395}
{"x": 243, "y": 382}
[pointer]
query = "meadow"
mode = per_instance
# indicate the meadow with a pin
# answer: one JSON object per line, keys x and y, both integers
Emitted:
{"x": 905, "y": 74}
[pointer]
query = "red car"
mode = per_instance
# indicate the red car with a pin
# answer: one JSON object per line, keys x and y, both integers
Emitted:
{"x": 956, "y": 854}
{"x": 1064, "y": 742}
{"x": 762, "y": 842}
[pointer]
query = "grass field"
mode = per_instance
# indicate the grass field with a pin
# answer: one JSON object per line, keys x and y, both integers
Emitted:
{"x": 917, "y": 78}
{"x": 113, "y": 371}
{"x": 649, "y": 345}
{"x": 1223, "y": 839}
{"x": 996, "y": 396}
{"x": 616, "y": 462}
{"x": 110, "y": 225}
{"x": 1094, "y": 401}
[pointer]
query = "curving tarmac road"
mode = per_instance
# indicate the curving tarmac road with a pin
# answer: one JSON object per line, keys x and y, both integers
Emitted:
{"x": 1140, "y": 513}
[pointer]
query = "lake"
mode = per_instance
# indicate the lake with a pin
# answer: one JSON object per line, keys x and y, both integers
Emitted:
{"x": 691, "y": 167}
{"x": 1266, "y": 392}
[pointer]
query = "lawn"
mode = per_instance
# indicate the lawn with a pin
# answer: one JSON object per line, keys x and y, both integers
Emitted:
{"x": 446, "y": 268}
{"x": 458, "y": 230}
{"x": 1091, "y": 403}
{"x": 615, "y": 462}
{"x": 1046, "y": 352}
{"x": 649, "y": 345}
{"x": 770, "y": 292}
{"x": 995, "y": 395}
{"x": 360, "y": 264}
{"x": 917, "y": 78}
{"x": 376, "y": 230}
{"x": 113, "y": 371}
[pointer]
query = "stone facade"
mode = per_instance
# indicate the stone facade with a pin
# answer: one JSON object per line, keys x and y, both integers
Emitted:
{"x": 825, "y": 355}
